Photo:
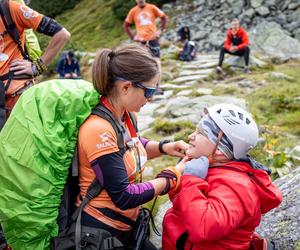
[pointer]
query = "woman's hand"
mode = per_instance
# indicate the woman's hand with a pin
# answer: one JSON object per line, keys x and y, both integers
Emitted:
{"x": 21, "y": 66}
{"x": 176, "y": 148}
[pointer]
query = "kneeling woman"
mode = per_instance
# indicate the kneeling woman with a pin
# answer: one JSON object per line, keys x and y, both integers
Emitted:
{"x": 127, "y": 79}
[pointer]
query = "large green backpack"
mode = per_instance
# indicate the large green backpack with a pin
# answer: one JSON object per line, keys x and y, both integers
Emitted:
{"x": 36, "y": 148}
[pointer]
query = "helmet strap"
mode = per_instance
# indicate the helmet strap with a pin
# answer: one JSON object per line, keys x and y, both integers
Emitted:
{"x": 211, "y": 157}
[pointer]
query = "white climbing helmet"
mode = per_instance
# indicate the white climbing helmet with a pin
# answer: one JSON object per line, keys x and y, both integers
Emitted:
{"x": 237, "y": 125}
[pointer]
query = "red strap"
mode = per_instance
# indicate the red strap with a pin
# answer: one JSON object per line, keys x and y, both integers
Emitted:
{"x": 128, "y": 121}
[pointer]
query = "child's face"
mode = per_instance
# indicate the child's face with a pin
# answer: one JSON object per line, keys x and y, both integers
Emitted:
{"x": 199, "y": 145}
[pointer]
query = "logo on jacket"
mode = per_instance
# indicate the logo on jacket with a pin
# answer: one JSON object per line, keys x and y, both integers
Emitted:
{"x": 107, "y": 141}
{"x": 27, "y": 12}
{"x": 3, "y": 57}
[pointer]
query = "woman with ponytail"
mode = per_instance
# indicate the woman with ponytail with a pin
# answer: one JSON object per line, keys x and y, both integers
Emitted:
{"x": 126, "y": 78}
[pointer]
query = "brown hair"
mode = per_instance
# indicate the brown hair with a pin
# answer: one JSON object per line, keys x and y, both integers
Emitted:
{"x": 132, "y": 62}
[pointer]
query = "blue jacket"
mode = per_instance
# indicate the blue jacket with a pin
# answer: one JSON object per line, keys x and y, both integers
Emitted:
{"x": 64, "y": 68}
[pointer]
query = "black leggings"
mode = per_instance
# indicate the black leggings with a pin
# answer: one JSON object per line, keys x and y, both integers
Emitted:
{"x": 242, "y": 52}
{"x": 123, "y": 236}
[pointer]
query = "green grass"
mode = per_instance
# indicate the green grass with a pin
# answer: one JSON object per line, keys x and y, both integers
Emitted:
{"x": 276, "y": 103}
{"x": 93, "y": 25}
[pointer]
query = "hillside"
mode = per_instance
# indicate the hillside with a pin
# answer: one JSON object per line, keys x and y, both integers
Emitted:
{"x": 92, "y": 26}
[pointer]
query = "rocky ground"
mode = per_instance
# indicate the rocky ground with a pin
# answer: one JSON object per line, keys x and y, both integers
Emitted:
{"x": 273, "y": 25}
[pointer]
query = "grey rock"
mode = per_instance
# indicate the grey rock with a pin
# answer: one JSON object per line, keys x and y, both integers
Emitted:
{"x": 237, "y": 7}
{"x": 295, "y": 152}
{"x": 183, "y": 106}
{"x": 281, "y": 18}
{"x": 186, "y": 92}
{"x": 292, "y": 26}
{"x": 172, "y": 86}
{"x": 293, "y": 6}
{"x": 201, "y": 65}
{"x": 200, "y": 35}
{"x": 144, "y": 122}
{"x": 204, "y": 91}
{"x": 196, "y": 72}
{"x": 270, "y": 3}
{"x": 280, "y": 75}
{"x": 189, "y": 78}
{"x": 294, "y": 16}
{"x": 155, "y": 239}
{"x": 284, "y": 4}
{"x": 262, "y": 11}
{"x": 281, "y": 225}
{"x": 249, "y": 13}
{"x": 237, "y": 61}
{"x": 256, "y": 3}
{"x": 270, "y": 39}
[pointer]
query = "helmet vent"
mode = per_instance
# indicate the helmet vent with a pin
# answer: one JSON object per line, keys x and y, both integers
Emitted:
{"x": 232, "y": 113}
{"x": 219, "y": 111}
{"x": 248, "y": 121}
{"x": 241, "y": 116}
{"x": 231, "y": 121}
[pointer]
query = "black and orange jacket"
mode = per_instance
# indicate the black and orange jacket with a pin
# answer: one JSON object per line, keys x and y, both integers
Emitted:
{"x": 240, "y": 40}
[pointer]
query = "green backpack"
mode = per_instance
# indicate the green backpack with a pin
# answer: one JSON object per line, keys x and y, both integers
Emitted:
{"x": 37, "y": 145}
{"x": 36, "y": 148}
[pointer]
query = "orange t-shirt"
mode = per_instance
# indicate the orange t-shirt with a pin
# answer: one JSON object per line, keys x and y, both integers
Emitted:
{"x": 97, "y": 138}
{"x": 24, "y": 18}
{"x": 144, "y": 19}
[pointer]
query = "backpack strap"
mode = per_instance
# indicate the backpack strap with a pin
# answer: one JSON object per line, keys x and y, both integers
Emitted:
{"x": 2, "y": 105}
{"x": 106, "y": 114}
{"x": 11, "y": 27}
{"x": 93, "y": 190}
{"x": 95, "y": 187}
{"x": 134, "y": 121}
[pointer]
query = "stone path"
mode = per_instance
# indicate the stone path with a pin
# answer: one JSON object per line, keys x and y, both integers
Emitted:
{"x": 189, "y": 74}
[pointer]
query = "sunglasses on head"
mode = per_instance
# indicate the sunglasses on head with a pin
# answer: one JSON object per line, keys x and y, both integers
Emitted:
{"x": 148, "y": 91}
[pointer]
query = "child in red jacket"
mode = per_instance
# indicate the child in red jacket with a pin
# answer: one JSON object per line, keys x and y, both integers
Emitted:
{"x": 223, "y": 192}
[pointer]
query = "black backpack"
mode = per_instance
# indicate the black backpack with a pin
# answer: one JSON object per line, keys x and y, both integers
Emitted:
{"x": 189, "y": 51}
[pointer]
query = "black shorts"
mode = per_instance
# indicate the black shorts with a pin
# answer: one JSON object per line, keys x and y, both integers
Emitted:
{"x": 154, "y": 47}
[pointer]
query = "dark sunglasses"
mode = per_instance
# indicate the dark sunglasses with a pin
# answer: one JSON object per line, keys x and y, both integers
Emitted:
{"x": 148, "y": 91}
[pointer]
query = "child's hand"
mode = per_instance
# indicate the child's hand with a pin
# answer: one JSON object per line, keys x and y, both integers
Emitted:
{"x": 197, "y": 167}
{"x": 181, "y": 164}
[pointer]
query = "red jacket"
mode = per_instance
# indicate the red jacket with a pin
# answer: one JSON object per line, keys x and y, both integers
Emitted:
{"x": 240, "y": 35}
{"x": 222, "y": 211}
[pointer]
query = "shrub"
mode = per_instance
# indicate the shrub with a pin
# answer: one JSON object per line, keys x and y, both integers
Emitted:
{"x": 53, "y": 7}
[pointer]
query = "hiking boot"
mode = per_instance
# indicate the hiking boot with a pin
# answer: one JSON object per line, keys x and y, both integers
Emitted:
{"x": 247, "y": 70}
{"x": 219, "y": 69}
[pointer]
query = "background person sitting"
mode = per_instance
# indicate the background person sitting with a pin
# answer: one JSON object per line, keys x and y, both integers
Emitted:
{"x": 237, "y": 44}
{"x": 184, "y": 34}
{"x": 68, "y": 67}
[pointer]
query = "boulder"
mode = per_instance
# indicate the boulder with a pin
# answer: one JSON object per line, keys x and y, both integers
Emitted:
{"x": 273, "y": 41}
{"x": 239, "y": 62}
{"x": 281, "y": 225}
